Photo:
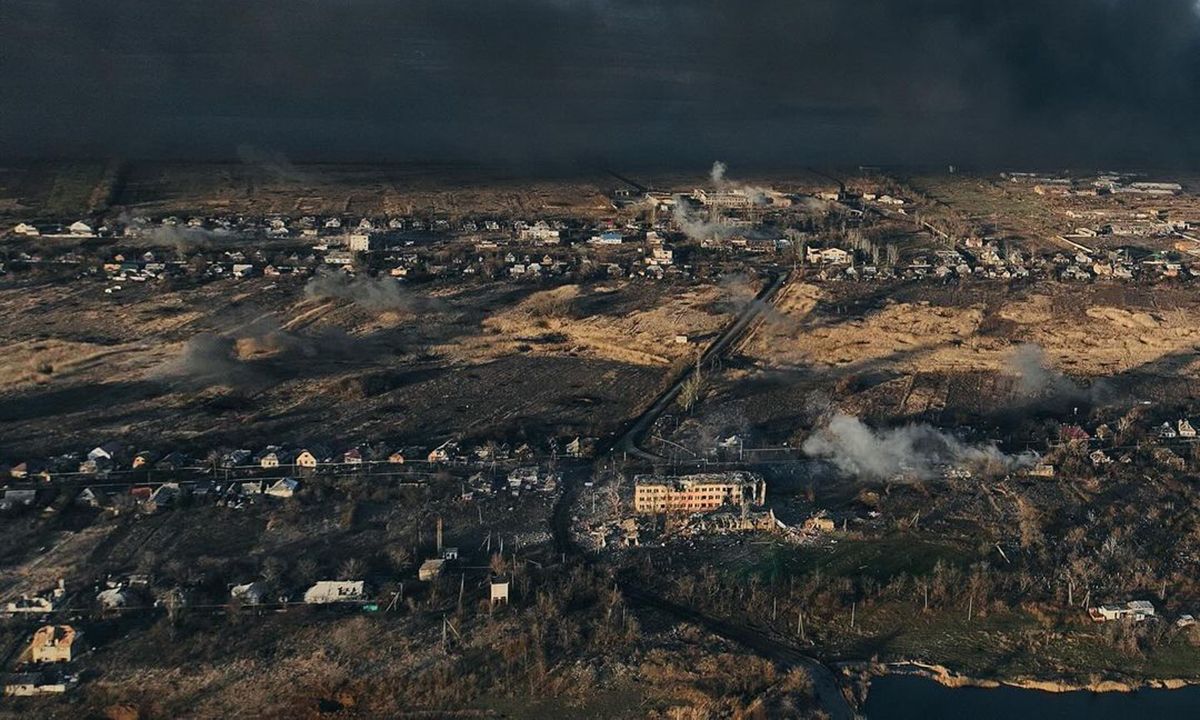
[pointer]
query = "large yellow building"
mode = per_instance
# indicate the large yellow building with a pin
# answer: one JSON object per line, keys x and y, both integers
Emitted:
{"x": 697, "y": 493}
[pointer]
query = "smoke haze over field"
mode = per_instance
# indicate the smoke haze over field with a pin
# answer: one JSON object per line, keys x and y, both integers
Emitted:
{"x": 1038, "y": 382}
{"x": 579, "y": 83}
{"x": 378, "y": 294}
{"x": 257, "y": 353}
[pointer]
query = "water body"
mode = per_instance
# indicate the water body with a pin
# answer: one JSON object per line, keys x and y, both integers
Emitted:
{"x": 906, "y": 697}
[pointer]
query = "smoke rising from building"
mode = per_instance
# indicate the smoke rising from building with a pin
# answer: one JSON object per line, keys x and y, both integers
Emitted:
{"x": 910, "y": 451}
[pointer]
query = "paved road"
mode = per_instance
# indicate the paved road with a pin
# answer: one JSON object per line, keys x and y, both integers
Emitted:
{"x": 630, "y": 442}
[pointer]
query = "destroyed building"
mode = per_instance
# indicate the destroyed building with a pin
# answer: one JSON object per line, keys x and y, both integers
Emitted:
{"x": 697, "y": 493}
{"x": 334, "y": 591}
{"x": 55, "y": 643}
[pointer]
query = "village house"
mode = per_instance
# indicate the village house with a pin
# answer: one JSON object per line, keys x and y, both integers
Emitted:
{"x": 443, "y": 453}
{"x": 80, "y": 229}
{"x": 274, "y": 457}
{"x": 826, "y": 256}
{"x": 697, "y": 493}
{"x": 430, "y": 569}
{"x": 92, "y": 497}
{"x": 820, "y": 523}
{"x": 44, "y": 602}
{"x": 251, "y": 593}
{"x": 28, "y": 684}
{"x": 55, "y": 644}
{"x": 109, "y": 452}
{"x": 115, "y": 598}
{"x": 284, "y": 488}
{"x": 1134, "y": 610}
{"x": 499, "y": 591}
{"x": 1042, "y": 470}
{"x": 1185, "y": 429}
{"x": 540, "y": 233}
{"x": 334, "y": 591}
{"x": 143, "y": 459}
{"x": 310, "y": 457}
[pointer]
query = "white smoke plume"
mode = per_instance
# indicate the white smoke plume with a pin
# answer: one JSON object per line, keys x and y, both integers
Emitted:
{"x": 758, "y": 195}
{"x": 1038, "y": 382}
{"x": 696, "y": 227}
{"x": 717, "y": 174}
{"x": 913, "y": 451}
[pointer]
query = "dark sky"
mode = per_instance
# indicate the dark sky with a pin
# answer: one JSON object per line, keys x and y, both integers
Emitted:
{"x": 611, "y": 82}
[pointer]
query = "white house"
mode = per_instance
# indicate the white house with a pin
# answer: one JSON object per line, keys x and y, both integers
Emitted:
{"x": 284, "y": 488}
{"x": 81, "y": 229}
{"x": 251, "y": 593}
{"x": 1135, "y": 610}
{"x": 826, "y": 256}
{"x": 332, "y": 591}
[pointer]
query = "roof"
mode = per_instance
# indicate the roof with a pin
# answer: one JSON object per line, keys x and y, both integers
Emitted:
{"x": 55, "y": 635}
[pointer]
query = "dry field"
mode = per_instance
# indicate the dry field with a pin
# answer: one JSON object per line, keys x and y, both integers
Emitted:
{"x": 950, "y": 355}
{"x": 1088, "y": 331}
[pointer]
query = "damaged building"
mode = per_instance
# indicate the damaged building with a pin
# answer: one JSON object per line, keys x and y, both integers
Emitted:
{"x": 655, "y": 494}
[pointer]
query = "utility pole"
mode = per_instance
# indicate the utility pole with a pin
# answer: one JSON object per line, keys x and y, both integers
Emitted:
{"x": 800, "y": 623}
{"x": 439, "y": 537}
{"x": 462, "y": 584}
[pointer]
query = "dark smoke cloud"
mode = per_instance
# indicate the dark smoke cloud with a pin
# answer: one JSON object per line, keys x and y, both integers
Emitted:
{"x": 257, "y": 354}
{"x": 208, "y": 360}
{"x": 634, "y": 82}
{"x": 379, "y": 294}
{"x": 180, "y": 237}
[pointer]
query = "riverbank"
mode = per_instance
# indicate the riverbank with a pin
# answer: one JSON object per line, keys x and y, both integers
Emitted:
{"x": 949, "y": 678}
{"x": 913, "y": 697}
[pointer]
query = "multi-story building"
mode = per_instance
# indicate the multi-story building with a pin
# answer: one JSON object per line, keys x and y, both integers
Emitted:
{"x": 697, "y": 493}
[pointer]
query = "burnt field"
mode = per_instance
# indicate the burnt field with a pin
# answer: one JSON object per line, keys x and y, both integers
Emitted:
{"x": 202, "y": 364}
